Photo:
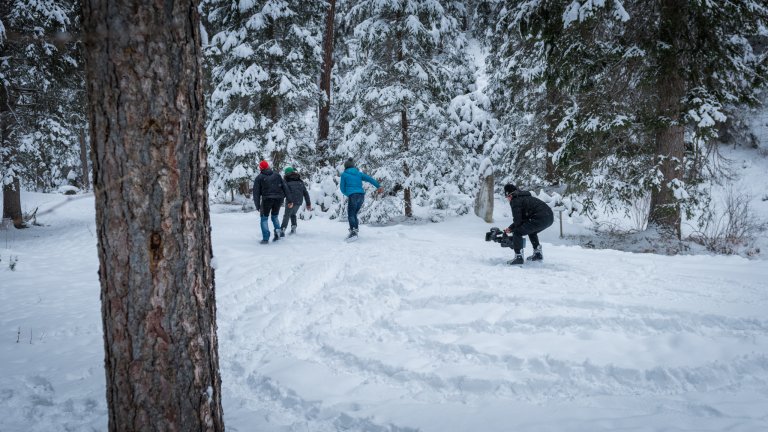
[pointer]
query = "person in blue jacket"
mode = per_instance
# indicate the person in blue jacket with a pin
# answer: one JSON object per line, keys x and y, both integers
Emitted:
{"x": 352, "y": 187}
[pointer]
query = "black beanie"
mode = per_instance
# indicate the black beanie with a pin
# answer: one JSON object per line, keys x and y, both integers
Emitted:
{"x": 509, "y": 188}
{"x": 348, "y": 163}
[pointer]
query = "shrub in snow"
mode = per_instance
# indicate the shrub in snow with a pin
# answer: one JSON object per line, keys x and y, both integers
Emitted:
{"x": 379, "y": 210}
{"x": 730, "y": 227}
{"x": 448, "y": 199}
{"x": 68, "y": 190}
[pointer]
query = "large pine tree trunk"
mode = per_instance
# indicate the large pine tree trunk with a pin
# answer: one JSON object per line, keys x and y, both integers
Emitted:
{"x": 325, "y": 85}
{"x": 670, "y": 144}
{"x": 150, "y": 181}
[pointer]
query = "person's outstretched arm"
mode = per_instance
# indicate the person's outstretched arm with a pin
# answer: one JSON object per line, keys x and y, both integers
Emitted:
{"x": 370, "y": 180}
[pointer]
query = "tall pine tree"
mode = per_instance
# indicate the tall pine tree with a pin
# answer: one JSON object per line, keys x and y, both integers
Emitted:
{"x": 264, "y": 58}
{"x": 40, "y": 98}
{"x": 705, "y": 67}
{"x": 400, "y": 80}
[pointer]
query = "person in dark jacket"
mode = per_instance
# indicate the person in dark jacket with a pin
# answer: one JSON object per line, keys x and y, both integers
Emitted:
{"x": 269, "y": 190}
{"x": 530, "y": 216}
{"x": 351, "y": 185}
{"x": 296, "y": 191}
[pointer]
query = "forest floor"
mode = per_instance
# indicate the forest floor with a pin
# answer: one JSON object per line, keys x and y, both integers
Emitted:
{"x": 413, "y": 327}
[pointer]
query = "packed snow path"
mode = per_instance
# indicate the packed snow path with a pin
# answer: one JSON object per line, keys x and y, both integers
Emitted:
{"x": 425, "y": 328}
{"x": 413, "y": 327}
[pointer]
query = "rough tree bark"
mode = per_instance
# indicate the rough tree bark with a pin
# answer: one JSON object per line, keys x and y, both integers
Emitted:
{"x": 670, "y": 145}
{"x": 324, "y": 128}
{"x": 150, "y": 180}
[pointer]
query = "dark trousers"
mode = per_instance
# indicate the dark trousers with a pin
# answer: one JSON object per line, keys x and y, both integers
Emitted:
{"x": 354, "y": 204}
{"x": 269, "y": 209}
{"x": 531, "y": 228}
{"x": 289, "y": 213}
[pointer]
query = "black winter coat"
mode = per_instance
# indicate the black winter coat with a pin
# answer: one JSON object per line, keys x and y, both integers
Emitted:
{"x": 527, "y": 207}
{"x": 268, "y": 184}
{"x": 296, "y": 189}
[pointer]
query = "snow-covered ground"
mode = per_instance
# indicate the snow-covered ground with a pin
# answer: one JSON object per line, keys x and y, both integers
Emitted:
{"x": 413, "y": 327}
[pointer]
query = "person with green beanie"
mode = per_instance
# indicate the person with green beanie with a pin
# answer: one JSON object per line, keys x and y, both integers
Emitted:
{"x": 296, "y": 191}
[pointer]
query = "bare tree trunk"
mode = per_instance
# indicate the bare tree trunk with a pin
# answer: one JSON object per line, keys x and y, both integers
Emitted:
{"x": 278, "y": 156}
{"x": 146, "y": 112}
{"x": 406, "y": 169}
{"x": 670, "y": 144}
{"x": 12, "y": 203}
{"x": 484, "y": 198}
{"x": 325, "y": 85}
{"x": 84, "y": 181}
{"x": 12, "y": 190}
{"x": 554, "y": 99}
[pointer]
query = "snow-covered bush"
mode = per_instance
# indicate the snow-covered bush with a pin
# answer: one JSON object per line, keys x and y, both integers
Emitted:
{"x": 730, "y": 227}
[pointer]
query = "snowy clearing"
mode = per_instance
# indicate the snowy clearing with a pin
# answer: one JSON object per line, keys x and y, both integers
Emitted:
{"x": 413, "y": 327}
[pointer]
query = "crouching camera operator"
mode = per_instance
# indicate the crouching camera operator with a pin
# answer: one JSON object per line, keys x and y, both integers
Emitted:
{"x": 530, "y": 216}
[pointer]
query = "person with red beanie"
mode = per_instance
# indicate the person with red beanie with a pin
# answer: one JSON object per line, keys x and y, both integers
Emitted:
{"x": 269, "y": 191}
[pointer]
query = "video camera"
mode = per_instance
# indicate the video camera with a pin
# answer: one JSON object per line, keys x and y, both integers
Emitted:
{"x": 499, "y": 236}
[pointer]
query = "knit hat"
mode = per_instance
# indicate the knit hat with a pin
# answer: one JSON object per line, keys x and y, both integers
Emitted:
{"x": 288, "y": 170}
{"x": 348, "y": 163}
{"x": 263, "y": 165}
{"x": 509, "y": 188}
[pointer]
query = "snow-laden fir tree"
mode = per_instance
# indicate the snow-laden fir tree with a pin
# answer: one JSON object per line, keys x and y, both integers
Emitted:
{"x": 470, "y": 129}
{"x": 407, "y": 62}
{"x": 705, "y": 67}
{"x": 264, "y": 58}
{"x": 627, "y": 94}
{"x": 545, "y": 55}
{"x": 40, "y": 97}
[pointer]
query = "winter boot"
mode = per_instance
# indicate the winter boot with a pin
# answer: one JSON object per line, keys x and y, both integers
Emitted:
{"x": 352, "y": 234}
{"x": 537, "y": 255}
{"x": 282, "y": 232}
{"x": 265, "y": 241}
{"x": 293, "y": 229}
{"x": 277, "y": 235}
{"x": 517, "y": 261}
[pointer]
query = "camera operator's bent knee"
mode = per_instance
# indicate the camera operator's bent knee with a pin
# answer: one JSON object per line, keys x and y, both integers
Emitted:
{"x": 518, "y": 242}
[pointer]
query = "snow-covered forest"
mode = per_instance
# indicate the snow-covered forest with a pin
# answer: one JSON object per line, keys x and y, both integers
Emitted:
{"x": 642, "y": 123}
{"x": 610, "y": 107}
